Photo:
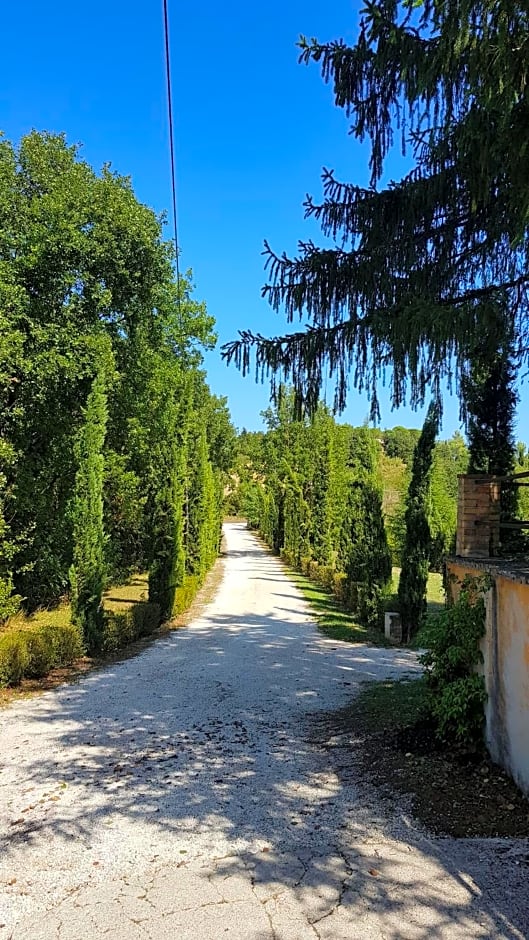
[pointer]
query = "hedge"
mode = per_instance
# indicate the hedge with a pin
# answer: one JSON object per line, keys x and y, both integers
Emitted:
{"x": 33, "y": 652}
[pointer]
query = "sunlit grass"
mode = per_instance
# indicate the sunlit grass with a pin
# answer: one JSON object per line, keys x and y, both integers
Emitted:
{"x": 339, "y": 624}
{"x": 435, "y": 592}
{"x": 56, "y": 616}
{"x": 123, "y": 596}
{"x": 331, "y": 617}
{"x": 120, "y": 597}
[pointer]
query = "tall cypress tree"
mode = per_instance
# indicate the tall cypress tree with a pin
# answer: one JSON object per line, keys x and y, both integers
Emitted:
{"x": 88, "y": 565}
{"x": 490, "y": 400}
{"x": 364, "y": 553}
{"x": 416, "y": 555}
{"x": 167, "y": 568}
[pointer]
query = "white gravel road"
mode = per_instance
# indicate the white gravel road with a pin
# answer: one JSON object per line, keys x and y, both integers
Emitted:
{"x": 180, "y": 795}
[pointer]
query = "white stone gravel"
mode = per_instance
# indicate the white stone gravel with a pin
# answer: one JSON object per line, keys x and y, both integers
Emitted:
{"x": 178, "y": 795}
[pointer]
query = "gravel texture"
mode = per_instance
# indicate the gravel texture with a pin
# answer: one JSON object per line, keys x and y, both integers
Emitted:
{"x": 179, "y": 795}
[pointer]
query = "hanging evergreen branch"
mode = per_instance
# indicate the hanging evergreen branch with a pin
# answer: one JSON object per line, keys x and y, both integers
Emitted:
{"x": 404, "y": 285}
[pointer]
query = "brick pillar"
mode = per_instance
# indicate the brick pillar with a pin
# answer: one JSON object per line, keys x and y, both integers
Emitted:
{"x": 478, "y": 516}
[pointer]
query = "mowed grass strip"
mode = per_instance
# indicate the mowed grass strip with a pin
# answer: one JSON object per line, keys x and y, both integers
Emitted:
{"x": 332, "y": 618}
{"x": 338, "y": 623}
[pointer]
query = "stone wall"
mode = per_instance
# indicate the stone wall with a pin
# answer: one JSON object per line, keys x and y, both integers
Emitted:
{"x": 505, "y": 649}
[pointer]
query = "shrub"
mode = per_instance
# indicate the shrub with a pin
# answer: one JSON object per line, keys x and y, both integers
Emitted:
{"x": 339, "y": 585}
{"x": 417, "y": 544}
{"x": 185, "y": 594}
{"x": 65, "y": 642}
{"x": 146, "y": 618}
{"x": 118, "y": 630}
{"x": 9, "y": 602}
{"x": 313, "y": 568}
{"x": 40, "y": 654}
{"x": 456, "y": 692}
{"x": 123, "y": 627}
{"x": 14, "y": 658}
{"x": 458, "y": 709}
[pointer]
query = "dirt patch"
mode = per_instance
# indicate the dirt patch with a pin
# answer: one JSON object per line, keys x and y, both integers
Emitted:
{"x": 450, "y": 791}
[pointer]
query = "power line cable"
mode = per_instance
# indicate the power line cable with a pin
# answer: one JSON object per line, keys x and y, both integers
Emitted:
{"x": 171, "y": 142}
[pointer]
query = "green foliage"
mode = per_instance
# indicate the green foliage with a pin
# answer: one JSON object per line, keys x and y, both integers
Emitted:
{"x": 417, "y": 547}
{"x": 124, "y": 515}
{"x": 414, "y": 266}
{"x": 40, "y": 654}
{"x": 490, "y": 398}
{"x": 121, "y": 628}
{"x": 65, "y": 641}
{"x": 456, "y": 691}
{"x": 33, "y": 652}
{"x": 14, "y": 658}
{"x": 9, "y": 602}
{"x": 186, "y": 593}
{"x": 521, "y": 466}
{"x": 314, "y": 491}
{"x": 251, "y": 500}
{"x": 202, "y": 517}
{"x": 88, "y": 567}
{"x": 395, "y": 482}
{"x": 168, "y": 565}
{"x": 87, "y": 288}
{"x": 450, "y": 458}
{"x": 364, "y": 555}
{"x": 401, "y": 442}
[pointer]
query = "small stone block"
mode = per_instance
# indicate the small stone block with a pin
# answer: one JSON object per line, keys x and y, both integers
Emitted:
{"x": 393, "y": 626}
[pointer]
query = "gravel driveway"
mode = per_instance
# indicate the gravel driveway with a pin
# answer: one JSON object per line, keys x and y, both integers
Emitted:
{"x": 180, "y": 795}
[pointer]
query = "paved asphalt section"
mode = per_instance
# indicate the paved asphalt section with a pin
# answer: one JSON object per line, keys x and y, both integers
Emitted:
{"x": 180, "y": 795}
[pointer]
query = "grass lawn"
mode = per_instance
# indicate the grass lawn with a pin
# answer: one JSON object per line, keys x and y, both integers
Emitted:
{"x": 58, "y": 616}
{"x": 332, "y": 618}
{"x": 435, "y": 592}
{"x": 339, "y": 624}
{"x": 435, "y": 602}
{"x": 118, "y": 598}
{"x": 123, "y": 596}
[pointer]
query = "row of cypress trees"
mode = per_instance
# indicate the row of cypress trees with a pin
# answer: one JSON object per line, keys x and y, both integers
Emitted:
{"x": 315, "y": 493}
{"x": 112, "y": 448}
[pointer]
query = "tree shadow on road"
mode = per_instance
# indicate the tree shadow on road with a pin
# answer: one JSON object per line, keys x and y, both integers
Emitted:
{"x": 221, "y": 761}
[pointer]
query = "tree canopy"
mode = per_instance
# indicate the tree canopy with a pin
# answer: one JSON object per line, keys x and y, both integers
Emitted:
{"x": 416, "y": 269}
{"x": 112, "y": 448}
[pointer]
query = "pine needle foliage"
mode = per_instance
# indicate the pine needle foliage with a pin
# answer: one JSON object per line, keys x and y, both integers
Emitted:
{"x": 413, "y": 266}
{"x": 490, "y": 396}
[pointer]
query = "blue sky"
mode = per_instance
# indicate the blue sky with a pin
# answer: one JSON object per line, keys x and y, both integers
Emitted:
{"x": 253, "y": 130}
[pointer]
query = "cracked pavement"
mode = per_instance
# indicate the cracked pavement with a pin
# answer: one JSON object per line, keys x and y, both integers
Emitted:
{"x": 181, "y": 794}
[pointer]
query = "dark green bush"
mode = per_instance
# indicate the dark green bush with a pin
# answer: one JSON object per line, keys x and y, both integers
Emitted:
{"x": 146, "y": 618}
{"x": 118, "y": 631}
{"x": 456, "y": 691}
{"x": 123, "y": 627}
